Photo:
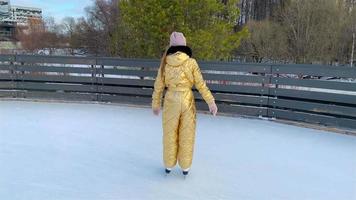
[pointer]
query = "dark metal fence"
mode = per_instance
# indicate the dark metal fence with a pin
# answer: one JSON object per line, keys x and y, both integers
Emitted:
{"x": 310, "y": 93}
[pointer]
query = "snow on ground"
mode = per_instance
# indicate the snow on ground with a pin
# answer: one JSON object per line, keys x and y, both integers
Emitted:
{"x": 68, "y": 151}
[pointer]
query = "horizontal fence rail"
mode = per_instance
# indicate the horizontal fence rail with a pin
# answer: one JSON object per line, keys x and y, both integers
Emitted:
{"x": 309, "y": 93}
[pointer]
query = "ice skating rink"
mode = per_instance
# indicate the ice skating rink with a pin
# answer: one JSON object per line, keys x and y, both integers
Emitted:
{"x": 73, "y": 151}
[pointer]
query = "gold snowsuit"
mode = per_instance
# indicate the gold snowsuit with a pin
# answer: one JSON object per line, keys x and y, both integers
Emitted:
{"x": 179, "y": 112}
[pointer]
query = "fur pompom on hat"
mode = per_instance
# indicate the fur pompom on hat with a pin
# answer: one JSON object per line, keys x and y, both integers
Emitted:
{"x": 177, "y": 39}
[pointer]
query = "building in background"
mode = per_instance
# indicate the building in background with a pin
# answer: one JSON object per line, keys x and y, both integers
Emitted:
{"x": 4, "y": 9}
{"x": 20, "y": 15}
{"x": 13, "y": 16}
{"x": 7, "y": 31}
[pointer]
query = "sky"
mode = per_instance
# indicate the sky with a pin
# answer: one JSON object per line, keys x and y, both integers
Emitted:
{"x": 57, "y": 8}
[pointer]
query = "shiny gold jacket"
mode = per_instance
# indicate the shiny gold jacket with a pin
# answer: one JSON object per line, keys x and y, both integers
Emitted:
{"x": 180, "y": 73}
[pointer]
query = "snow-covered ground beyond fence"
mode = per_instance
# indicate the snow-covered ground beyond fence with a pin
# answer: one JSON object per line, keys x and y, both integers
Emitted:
{"x": 67, "y": 151}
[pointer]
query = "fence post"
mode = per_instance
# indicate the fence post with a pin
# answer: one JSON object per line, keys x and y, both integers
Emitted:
{"x": 262, "y": 94}
{"x": 100, "y": 83}
{"x": 95, "y": 79}
{"x": 273, "y": 92}
{"x": 102, "y": 72}
{"x": 22, "y": 83}
{"x": 13, "y": 76}
{"x": 270, "y": 74}
{"x": 17, "y": 77}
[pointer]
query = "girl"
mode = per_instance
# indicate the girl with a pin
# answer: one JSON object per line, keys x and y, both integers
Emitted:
{"x": 178, "y": 73}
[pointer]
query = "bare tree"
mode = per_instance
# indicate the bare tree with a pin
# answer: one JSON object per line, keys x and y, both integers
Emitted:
{"x": 40, "y": 34}
{"x": 69, "y": 27}
{"x": 30, "y": 36}
{"x": 259, "y": 9}
{"x": 346, "y": 40}
{"x": 313, "y": 28}
{"x": 352, "y": 50}
{"x": 316, "y": 31}
{"x": 102, "y": 23}
{"x": 353, "y": 28}
{"x": 267, "y": 42}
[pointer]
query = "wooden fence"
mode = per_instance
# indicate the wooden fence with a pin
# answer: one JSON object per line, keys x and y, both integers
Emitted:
{"x": 310, "y": 93}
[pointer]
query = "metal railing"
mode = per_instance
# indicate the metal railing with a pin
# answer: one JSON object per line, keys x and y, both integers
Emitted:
{"x": 310, "y": 93}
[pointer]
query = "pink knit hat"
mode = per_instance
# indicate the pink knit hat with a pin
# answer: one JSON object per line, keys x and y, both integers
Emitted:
{"x": 177, "y": 39}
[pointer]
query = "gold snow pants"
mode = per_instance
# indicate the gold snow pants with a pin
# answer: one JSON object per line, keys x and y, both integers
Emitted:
{"x": 179, "y": 121}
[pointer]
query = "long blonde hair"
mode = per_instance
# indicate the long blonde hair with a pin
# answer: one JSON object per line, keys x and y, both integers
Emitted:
{"x": 162, "y": 66}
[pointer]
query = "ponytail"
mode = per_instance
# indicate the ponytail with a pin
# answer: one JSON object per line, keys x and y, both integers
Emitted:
{"x": 163, "y": 63}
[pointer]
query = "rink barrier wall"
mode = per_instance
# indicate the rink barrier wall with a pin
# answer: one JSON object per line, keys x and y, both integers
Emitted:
{"x": 315, "y": 94}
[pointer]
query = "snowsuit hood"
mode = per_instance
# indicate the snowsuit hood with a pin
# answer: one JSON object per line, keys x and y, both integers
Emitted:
{"x": 177, "y": 59}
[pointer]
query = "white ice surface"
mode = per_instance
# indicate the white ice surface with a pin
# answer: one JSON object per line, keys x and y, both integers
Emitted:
{"x": 66, "y": 151}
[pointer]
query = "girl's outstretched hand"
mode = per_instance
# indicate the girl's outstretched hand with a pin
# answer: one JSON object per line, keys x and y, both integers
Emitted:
{"x": 213, "y": 108}
{"x": 156, "y": 111}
